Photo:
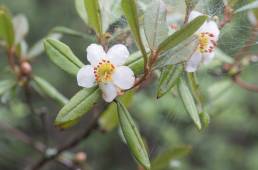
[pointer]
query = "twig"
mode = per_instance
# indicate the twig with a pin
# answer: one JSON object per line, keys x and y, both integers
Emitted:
{"x": 228, "y": 14}
{"x": 37, "y": 145}
{"x": 11, "y": 59}
{"x": 92, "y": 126}
{"x": 23, "y": 137}
{"x": 251, "y": 87}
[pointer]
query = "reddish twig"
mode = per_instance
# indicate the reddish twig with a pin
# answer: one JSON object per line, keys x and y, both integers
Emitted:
{"x": 228, "y": 15}
{"x": 251, "y": 87}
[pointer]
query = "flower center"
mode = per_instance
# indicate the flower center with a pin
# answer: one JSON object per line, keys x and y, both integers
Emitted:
{"x": 103, "y": 71}
{"x": 207, "y": 42}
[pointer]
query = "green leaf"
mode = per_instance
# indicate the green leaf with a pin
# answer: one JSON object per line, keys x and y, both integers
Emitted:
{"x": 62, "y": 56}
{"x": 46, "y": 89}
{"x": 247, "y": 7}
{"x": 189, "y": 103}
{"x": 182, "y": 34}
{"x": 109, "y": 120}
{"x": 130, "y": 11}
{"x": 195, "y": 89}
{"x": 110, "y": 11}
{"x": 81, "y": 103}
{"x": 71, "y": 32}
{"x": 179, "y": 54}
{"x": 169, "y": 78}
{"x": 38, "y": 48}
{"x": 155, "y": 23}
{"x": 132, "y": 136}
{"x": 6, "y": 28}
{"x": 205, "y": 118}
{"x": 162, "y": 161}
{"x": 94, "y": 15}
{"x": 80, "y": 8}
{"x": 135, "y": 62}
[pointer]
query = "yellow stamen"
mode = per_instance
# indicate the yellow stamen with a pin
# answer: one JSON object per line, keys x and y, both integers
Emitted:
{"x": 103, "y": 71}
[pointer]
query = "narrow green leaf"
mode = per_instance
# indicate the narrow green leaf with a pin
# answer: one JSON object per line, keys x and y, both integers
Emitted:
{"x": 182, "y": 34}
{"x": 189, "y": 103}
{"x": 163, "y": 160}
{"x": 178, "y": 54}
{"x": 71, "y": 32}
{"x": 94, "y": 15}
{"x": 247, "y": 7}
{"x": 81, "y": 103}
{"x": 195, "y": 89}
{"x": 132, "y": 136}
{"x": 109, "y": 120}
{"x": 205, "y": 119}
{"x": 136, "y": 62}
{"x": 155, "y": 23}
{"x": 38, "y": 48}
{"x": 62, "y": 56}
{"x": 169, "y": 78}
{"x": 46, "y": 89}
{"x": 80, "y": 8}
{"x": 6, "y": 28}
{"x": 130, "y": 11}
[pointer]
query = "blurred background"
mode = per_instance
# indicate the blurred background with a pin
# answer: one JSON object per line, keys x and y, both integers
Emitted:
{"x": 229, "y": 143}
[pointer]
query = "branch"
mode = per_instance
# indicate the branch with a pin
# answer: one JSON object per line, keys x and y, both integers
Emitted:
{"x": 92, "y": 126}
{"x": 38, "y": 146}
{"x": 228, "y": 15}
{"x": 251, "y": 87}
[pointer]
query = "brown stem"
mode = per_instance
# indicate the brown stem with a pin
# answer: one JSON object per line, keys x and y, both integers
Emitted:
{"x": 251, "y": 87}
{"x": 148, "y": 68}
{"x": 92, "y": 126}
{"x": 37, "y": 145}
{"x": 11, "y": 59}
{"x": 228, "y": 15}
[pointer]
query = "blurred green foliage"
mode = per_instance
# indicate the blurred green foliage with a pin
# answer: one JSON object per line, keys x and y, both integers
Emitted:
{"x": 229, "y": 143}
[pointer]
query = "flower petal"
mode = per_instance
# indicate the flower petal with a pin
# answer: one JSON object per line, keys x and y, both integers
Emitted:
{"x": 95, "y": 53}
{"x": 123, "y": 77}
{"x": 118, "y": 54}
{"x": 194, "y": 62}
{"x": 212, "y": 27}
{"x": 109, "y": 91}
{"x": 195, "y": 14}
{"x": 85, "y": 77}
{"x": 208, "y": 57}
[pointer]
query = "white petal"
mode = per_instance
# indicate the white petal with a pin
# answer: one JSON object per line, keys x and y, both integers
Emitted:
{"x": 95, "y": 53}
{"x": 123, "y": 77}
{"x": 118, "y": 54}
{"x": 109, "y": 91}
{"x": 212, "y": 27}
{"x": 207, "y": 58}
{"x": 193, "y": 15}
{"x": 85, "y": 77}
{"x": 194, "y": 62}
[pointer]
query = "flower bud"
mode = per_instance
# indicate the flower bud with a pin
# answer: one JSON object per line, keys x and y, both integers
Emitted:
{"x": 26, "y": 68}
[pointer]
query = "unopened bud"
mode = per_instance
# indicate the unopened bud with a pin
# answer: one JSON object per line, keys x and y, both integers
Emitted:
{"x": 25, "y": 68}
{"x": 80, "y": 157}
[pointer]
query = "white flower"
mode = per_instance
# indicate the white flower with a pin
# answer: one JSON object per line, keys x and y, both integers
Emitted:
{"x": 208, "y": 35}
{"x": 106, "y": 70}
